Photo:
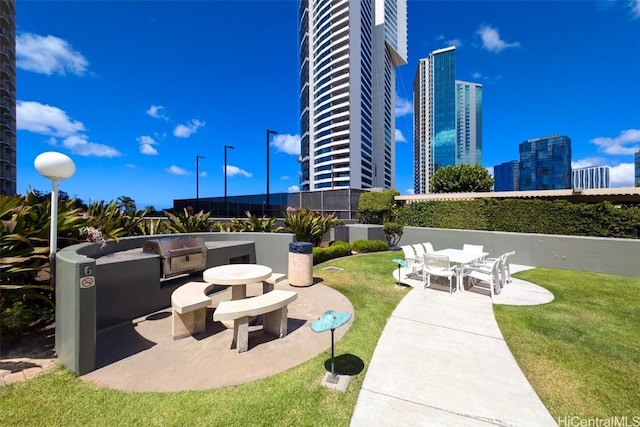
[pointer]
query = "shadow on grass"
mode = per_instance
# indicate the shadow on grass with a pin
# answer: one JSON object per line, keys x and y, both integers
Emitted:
{"x": 346, "y": 364}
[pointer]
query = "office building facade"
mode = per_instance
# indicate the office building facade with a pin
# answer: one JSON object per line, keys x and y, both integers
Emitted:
{"x": 507, "y": 176}
{"x": 447, "y": 128}
{"x": 545, "y": 163}
{"x": 637, "y": 164}
{"x": 8, "y": 158}
{"x": 348, "y": 54}
{"x": 591, "y": 177}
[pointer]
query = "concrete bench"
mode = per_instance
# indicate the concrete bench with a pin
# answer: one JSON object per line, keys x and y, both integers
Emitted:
{"x": 190, "y": 301}
{"x": 273, "y": 307}
{"x": 189, "y": 308}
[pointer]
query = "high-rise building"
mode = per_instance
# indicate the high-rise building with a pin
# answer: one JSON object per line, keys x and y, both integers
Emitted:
{"x": 591, "y": 177}
{"x": 637, "y": 162}
{"x": 507, "y": 176}
{"x": 545, "y": 163}
{"x": 469, "y": 122}
{"x": 8, "y": 166}
{"x": 348, "y": 53}
{"x": 447, "y": 118}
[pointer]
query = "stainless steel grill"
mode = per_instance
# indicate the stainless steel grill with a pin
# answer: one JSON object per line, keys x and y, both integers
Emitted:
{"x": 179, "y": 255}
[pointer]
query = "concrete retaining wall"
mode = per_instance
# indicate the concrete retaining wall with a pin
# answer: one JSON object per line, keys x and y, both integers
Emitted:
{"x": 596, "y": 254}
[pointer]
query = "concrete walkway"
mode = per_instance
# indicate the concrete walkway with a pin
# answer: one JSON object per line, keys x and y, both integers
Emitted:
{"x": 442, "y": 360}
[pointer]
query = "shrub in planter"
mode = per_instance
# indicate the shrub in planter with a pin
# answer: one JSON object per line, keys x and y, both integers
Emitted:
{"x": 336, "y": 250}
{"x": 393, "y": 232}
{"x": 362, "y": 246}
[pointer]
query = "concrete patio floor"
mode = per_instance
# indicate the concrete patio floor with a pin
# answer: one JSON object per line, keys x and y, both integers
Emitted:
{"x": 442, "y": 360}
{"x": 142, "y": 356}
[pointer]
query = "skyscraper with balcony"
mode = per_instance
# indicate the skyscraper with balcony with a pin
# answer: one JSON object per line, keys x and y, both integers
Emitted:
{"x": 348, "y": 53}
{"x": 591, "y": 177}
{"x": 447, "y": 128}
{"x": 545, "y": 163}
{"x": 8, "y": 167}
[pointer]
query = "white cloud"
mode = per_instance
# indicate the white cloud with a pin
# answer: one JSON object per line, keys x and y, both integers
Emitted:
{"x": 80, "y": 145}
{"x": 156, "y": 111}
{"x": 289, "y": 144}
{"x": 586, "y": 162}
{"x": 490, "y": 170}
{"x": 130, "y": 166}
{"x": 203, "y": 174}
{"x": 175, "y": 170}
{"x": 399, "y": 136}
{"x": 491, "y": 40}
{"x": 234, "y": 170}
{"x": 450, "y": 42}
{"x": 52, "y": 121}
{"x": 628, "y": 142}
{"x": 147, "y": 145}
{"x": 410, "y": 191}
{"x": 634, "y": 6}
{"x": 45, "y": 119}
{"x": 622, "y": 175}
{"x": 285, "y": 178}
{"x": 48, "y": 55}
{"x": 293, "y": 189}
{"x": 476, "y": 75}
{"x": 403, "y": 107}
{"x": 186, "y": 130}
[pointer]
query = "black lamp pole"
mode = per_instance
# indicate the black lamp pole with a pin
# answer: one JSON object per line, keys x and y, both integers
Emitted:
{"x": 198, "y": 180}
{"x": 226, "y": 203}
{"x": 268, "y": 201}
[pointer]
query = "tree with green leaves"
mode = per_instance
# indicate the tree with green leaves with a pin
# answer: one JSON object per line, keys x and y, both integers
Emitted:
{"x": 377, "y": 207}
{"x": 461, "y": 179}
{"x": 126, "y": 204}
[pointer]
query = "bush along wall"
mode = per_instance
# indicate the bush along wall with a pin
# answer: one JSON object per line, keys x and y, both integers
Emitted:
{"x": 526, "y": 216}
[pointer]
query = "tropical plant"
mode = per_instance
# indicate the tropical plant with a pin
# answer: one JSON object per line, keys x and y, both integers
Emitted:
{"x": 377, "y": 207}
{"x": 187, "y": 222}
{"x": 114, "y": 222}
{"x": 309, "y": 226}
{"x": 393, "y": 232}
{"x": 126, "y": 204}
{"x": 460, "y": 179}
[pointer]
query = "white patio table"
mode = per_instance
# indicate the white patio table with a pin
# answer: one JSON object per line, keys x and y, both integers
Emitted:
{"x": 238, "y": 276}
{"x": 461, "y": 258}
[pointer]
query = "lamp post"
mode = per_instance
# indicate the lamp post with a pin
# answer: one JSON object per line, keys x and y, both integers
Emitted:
{"x": 226, "y": 203}
{"x": 273, "y": 132}
{"x": 198, "y": 180}
{"x": 56, "y": 167}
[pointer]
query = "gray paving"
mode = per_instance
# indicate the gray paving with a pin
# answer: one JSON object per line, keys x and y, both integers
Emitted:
{"x": 442, "y": 360}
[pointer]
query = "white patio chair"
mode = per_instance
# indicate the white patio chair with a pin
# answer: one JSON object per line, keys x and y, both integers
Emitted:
{"x": 428, "y": 247}
{"x": 505, "y": 267}
{"x": 492, "y": 276}
{"x": 437, "y": 265}
{"x": 473, "y": 248}
{"x": 419, "y": 249}
{"x": 413, "y": 261}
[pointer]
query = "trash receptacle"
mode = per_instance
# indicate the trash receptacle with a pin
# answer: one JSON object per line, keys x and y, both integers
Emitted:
{"x": 300, "y": 264}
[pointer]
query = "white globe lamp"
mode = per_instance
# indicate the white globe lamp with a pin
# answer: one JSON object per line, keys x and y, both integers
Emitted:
{"x": 56, "y": 167}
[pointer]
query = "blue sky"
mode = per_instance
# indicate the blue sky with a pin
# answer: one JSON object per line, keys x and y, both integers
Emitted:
{"x": 133, "y": 91}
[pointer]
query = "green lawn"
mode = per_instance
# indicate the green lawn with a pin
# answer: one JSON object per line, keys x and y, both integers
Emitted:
{"x": 581, "y": 353}
{"x": 293, "y": 398}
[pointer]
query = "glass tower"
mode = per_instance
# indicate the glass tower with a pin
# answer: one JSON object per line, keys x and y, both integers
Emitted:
{"x": 447, "y": 118}
{"x": 506, "y": 176}
{"x": 348, "y": 53}
{"x": 545, "y": 163}
{"x": 637, "y": 163}
{"x": 8, "y": 166}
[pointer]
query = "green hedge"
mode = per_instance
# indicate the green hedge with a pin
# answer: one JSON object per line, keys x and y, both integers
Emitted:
{"x": 336, "y": 250}
{"x": 363, "y": 246}
{"x": 526, "y": 216}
